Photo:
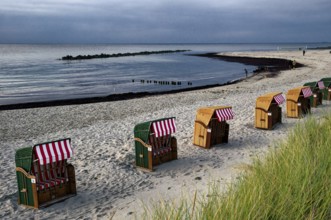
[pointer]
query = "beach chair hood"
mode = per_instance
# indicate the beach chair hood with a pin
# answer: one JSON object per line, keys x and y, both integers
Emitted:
{"x": 160, "y": 127}
{"x": 327, "y": 82}
{"x": 45, "y": 153}
{"x": 294, "y": 94}
{"x": 53, "y": 152}
{"x": 265, "y": 101}
{"x": 205, "y": 114}
{"x": 312, "y": 85}
{"x": 316, "y": 85}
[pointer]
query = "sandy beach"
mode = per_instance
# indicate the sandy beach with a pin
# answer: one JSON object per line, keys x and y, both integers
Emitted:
{"x": 108, "y": 184}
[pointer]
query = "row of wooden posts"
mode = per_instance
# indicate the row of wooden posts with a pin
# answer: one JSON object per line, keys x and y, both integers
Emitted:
{"x": 44, "y": 177}
{"x": 174, "y": 83}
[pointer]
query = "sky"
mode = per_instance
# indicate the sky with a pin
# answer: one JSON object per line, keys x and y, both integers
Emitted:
{"x": 165, "y": 21}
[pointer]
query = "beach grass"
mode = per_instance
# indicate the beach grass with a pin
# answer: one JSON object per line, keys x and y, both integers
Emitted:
{"x": 293, "y": 181}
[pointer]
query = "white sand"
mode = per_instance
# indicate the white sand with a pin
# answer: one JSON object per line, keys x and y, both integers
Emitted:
{"x": 102, "y": 138}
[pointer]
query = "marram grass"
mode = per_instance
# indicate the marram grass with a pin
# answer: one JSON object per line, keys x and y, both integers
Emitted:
{"x": 291, "y": 182}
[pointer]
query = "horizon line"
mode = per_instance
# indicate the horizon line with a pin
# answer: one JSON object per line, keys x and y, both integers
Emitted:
{"x": 167, "y": 43}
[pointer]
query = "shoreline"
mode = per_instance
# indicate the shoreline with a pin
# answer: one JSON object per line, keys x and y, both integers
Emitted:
{"x": 272, "y": 64}
{"x": 109, "y": 98}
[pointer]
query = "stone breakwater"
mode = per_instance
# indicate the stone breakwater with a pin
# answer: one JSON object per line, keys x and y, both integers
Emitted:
{"x": 102, "y": 55}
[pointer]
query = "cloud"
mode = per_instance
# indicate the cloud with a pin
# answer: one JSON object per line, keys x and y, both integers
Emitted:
{"x": 150, "y": 21}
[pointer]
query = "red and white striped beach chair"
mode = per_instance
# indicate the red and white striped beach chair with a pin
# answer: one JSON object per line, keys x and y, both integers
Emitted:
{"x": 154, "y": 143}
{"x": 43, "y": 174}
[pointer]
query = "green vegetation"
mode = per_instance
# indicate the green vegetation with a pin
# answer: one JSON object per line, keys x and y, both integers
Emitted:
{"x": 291, "y": 182}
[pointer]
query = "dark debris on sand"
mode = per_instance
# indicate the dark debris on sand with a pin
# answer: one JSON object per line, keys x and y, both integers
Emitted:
{"x": 262, "y": 64}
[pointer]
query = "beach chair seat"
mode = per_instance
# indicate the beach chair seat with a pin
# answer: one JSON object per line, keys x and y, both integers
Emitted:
{"x": 160, "y": 146}
{"x": 48, "y": 177}
{"x": 162, "y": 151}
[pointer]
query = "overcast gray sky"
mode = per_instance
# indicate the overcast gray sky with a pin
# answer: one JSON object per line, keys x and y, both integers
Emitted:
{"x": 164, "y": 21}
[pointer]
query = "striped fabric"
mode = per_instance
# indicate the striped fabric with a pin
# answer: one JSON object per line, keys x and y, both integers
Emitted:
{"x": 279, "y": 99}
{"x": 307, "y": 92}
{"x": 321, "y": 85}
{"x": 224, "y": 114}
{"x": 164, "y": 127}
{"x": 49, "y": 164}
{"x": 53, "y": 151}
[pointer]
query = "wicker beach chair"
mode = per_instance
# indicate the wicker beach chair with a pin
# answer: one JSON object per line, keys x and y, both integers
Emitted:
{"x": 298, "y": 102}
{"x": 267, "y": 111}
{"x": 327, "y": 90}
{"x": 43, "y": 175}
{"x": 318, "y": 89}
{"x": 210, "y": 126}
{"x": 154, "y": 143}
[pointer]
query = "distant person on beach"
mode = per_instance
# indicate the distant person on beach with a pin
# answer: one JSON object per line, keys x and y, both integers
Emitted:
{"x": 303, "y": 52}
{"x": 246, "y": 72}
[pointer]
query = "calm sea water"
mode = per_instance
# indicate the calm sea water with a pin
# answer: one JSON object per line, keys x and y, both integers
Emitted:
{"x": 30, "y": 73}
